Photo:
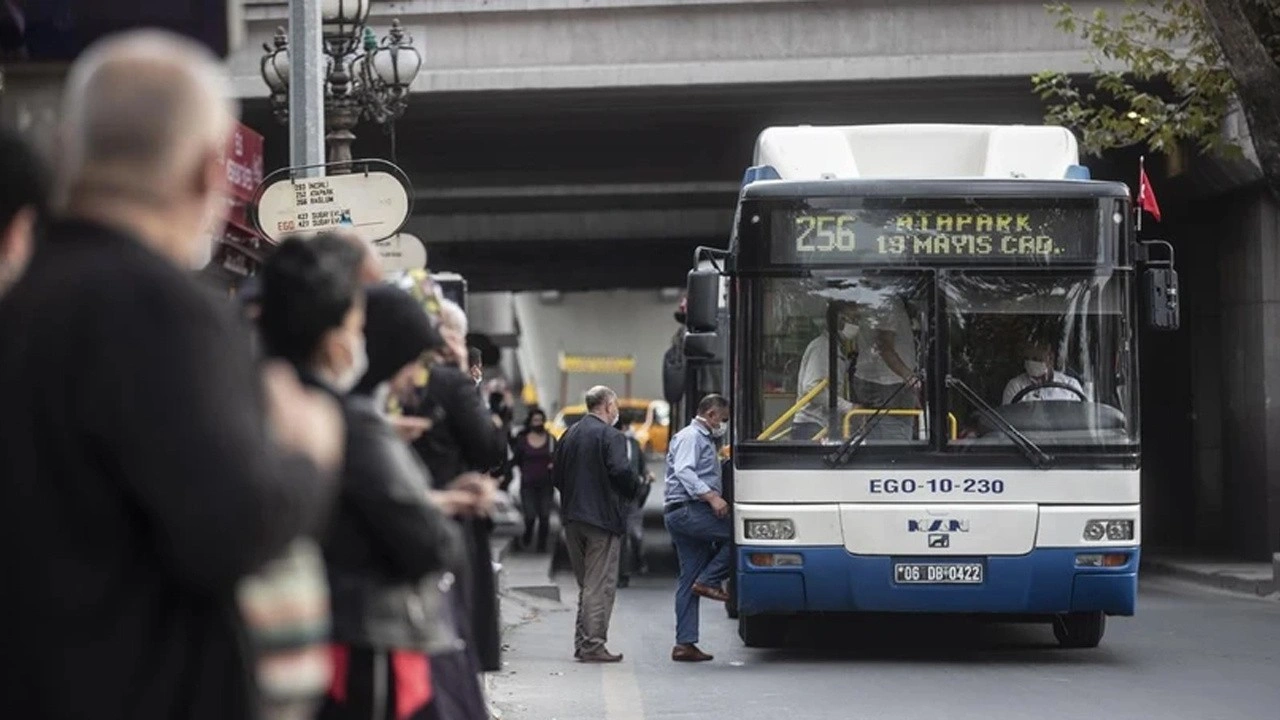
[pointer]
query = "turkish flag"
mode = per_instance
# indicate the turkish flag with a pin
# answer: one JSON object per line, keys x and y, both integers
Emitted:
{"x": 1147, "y": 196}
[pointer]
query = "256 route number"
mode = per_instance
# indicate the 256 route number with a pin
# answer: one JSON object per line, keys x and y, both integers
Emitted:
{"x": 935, "y": 486}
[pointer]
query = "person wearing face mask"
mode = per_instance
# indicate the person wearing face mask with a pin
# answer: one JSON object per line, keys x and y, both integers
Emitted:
{"x": 531, "y": 452}
{"x": 698, "y": 519}
{"x": 1038, "y": 373}
{"x": 815, "y": 368}
{"x": 596, "y": 483}
{"x": 385, "y": 538}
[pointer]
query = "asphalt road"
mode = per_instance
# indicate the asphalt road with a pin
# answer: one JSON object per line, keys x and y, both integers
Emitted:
{"x": 1190, "y": 653}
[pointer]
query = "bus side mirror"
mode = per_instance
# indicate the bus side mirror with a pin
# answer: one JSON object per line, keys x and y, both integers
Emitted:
{"x": 1160, "y": 287}
{"x": 703, "y": 300}
{"x": 701, "y": 346}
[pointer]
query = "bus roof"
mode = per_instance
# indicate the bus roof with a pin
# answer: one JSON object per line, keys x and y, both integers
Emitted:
{"x": 918, "y": 151}
{"x": 981, "y": 188}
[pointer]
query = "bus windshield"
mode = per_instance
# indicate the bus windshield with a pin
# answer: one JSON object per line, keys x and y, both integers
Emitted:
{"x": 837, "y": 346}
{"x": 1047, "y": 352}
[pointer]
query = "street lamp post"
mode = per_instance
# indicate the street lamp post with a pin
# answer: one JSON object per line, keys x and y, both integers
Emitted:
{"x": 363, "y": 78}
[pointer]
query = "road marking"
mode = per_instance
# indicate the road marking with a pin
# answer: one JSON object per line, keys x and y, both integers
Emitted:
{"x": 622, "y": 700}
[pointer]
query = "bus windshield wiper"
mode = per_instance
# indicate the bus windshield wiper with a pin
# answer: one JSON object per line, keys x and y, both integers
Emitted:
{"x": 846, "y": 450}
{"x": 1034, "y": 452}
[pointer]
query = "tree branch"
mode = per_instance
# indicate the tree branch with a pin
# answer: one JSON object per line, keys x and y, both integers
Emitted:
{"x": 1257, "y": 80}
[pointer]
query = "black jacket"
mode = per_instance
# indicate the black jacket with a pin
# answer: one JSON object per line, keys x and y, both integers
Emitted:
{"x": 137, "y": 487}
{"x": 386, "y": 541}
{"x": 462, "y": 437}
{"x": 595, "y": 480}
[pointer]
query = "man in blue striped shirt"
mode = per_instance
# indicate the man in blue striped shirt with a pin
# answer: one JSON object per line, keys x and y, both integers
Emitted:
{"x": 698, "y": 519}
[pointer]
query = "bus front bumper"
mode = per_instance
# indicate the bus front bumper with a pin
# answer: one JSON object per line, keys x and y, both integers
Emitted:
{"x": 831, "y": 579}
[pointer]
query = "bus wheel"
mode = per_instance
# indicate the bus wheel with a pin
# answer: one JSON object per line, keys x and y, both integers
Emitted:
{"x": 1079, "y": 630}
{"x": 762, "y": 631}
{"x": 731, "y": 605}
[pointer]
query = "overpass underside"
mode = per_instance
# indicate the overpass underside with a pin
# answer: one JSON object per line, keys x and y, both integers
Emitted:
{"x": 586, "y": 189}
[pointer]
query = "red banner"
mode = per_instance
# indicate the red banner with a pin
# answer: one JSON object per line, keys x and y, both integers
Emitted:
{"x": 244, "y": 162}
{"x": 244, "y": 165}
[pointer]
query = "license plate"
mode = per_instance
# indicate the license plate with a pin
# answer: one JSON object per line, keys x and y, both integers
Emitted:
{"x": 938, "y": 573}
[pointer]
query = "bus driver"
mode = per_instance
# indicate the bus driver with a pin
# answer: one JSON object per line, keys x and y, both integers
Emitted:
{"x": 1039, "y": 374}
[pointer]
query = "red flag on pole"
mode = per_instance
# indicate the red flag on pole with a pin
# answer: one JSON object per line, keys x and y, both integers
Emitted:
{"x": 1146, "y": 196}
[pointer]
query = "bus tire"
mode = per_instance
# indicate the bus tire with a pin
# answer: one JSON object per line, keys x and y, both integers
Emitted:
{"x": 731, "y": 605}
{"x": 1079, "y": 630}
{"x": 762, "y": 631}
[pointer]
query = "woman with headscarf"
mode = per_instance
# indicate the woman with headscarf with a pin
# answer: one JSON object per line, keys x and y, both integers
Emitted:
{"x": 386, "y": 543}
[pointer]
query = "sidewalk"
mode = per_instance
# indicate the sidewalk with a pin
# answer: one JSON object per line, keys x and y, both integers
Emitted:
{"x": 1252, "y": 578}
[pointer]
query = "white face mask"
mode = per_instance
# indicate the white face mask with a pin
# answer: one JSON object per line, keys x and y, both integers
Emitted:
{"x": 848, "y": 331}
{"x": 359, "y": 366}
{"x": 720, "y": 430}
{"x": 1036, "y": 368}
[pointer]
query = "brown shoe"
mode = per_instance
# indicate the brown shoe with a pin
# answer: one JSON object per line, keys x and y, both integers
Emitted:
{"x": 689, "y": 653}
{"x": 599, "y": 656}
{"x": 710, "y": 593}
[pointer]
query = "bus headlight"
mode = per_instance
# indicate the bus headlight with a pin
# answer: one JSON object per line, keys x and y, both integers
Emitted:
{"x": 1096, "y": 530}
{"x": 1120, "y": 530}
{"x": 769, "y": 530}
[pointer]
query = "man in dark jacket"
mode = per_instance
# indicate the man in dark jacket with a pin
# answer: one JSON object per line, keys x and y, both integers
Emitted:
{"x": 596, "y": 484}
{"x": 136, "y": 460}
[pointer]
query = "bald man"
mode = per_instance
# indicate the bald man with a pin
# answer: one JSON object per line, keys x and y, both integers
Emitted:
{"x": 137, "y": 481}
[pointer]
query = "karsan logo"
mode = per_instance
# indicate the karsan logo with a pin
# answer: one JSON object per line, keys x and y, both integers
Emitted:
{"x": 936, "y": 525}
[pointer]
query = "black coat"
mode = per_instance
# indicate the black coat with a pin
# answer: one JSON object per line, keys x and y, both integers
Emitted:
{"x": 463, "y": 438}
{"x": 595, "y": 480}
{"x": 136, "y": 487}
{"x": 384, "y": 539}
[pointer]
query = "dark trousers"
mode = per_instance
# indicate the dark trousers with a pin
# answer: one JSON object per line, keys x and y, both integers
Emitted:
{"x": 535, "y": 505}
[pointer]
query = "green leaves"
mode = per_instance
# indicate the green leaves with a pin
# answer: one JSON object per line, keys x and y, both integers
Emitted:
{"x": 1159, "y": 78}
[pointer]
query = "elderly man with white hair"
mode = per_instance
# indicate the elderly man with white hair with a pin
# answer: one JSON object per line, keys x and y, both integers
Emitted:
{"x": 144, "y": 470}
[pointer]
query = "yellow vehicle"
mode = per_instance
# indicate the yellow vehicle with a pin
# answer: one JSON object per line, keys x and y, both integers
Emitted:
{"x": 650, "y": 420}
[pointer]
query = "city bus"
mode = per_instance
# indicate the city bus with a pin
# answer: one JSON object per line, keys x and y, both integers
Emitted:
{"x": 932, "y": 340}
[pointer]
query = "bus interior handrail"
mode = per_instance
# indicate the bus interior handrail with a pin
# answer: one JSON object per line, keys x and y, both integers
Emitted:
{"x": 791, "y": 412}
{"x": 952, "y": 424}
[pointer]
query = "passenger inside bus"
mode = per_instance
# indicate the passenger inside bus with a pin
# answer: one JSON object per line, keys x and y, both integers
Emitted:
{"x": 886, "y": 361}
{"x": 1039, "y": 380}
{"x": 811, "y": 419}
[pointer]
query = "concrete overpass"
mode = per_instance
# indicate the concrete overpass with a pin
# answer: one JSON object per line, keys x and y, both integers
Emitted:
{"x": 611, "y": 134}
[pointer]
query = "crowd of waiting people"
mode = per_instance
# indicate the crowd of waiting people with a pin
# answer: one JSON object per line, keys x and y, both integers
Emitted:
{"x": 276, "y": 508}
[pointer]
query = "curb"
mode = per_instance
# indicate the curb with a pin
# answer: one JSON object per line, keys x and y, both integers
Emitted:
{"x": 1259, "y": 588}
{"x": 549, "y": 591}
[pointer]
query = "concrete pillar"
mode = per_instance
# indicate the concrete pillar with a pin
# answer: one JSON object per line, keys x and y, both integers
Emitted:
{"x": 1249, "y": 277}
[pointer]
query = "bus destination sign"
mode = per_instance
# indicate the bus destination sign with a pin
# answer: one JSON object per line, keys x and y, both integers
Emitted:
{"x": 1025, "y": 236}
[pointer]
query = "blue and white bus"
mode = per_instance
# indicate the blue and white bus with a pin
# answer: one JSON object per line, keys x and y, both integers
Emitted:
{"x": 932, "y": 360}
